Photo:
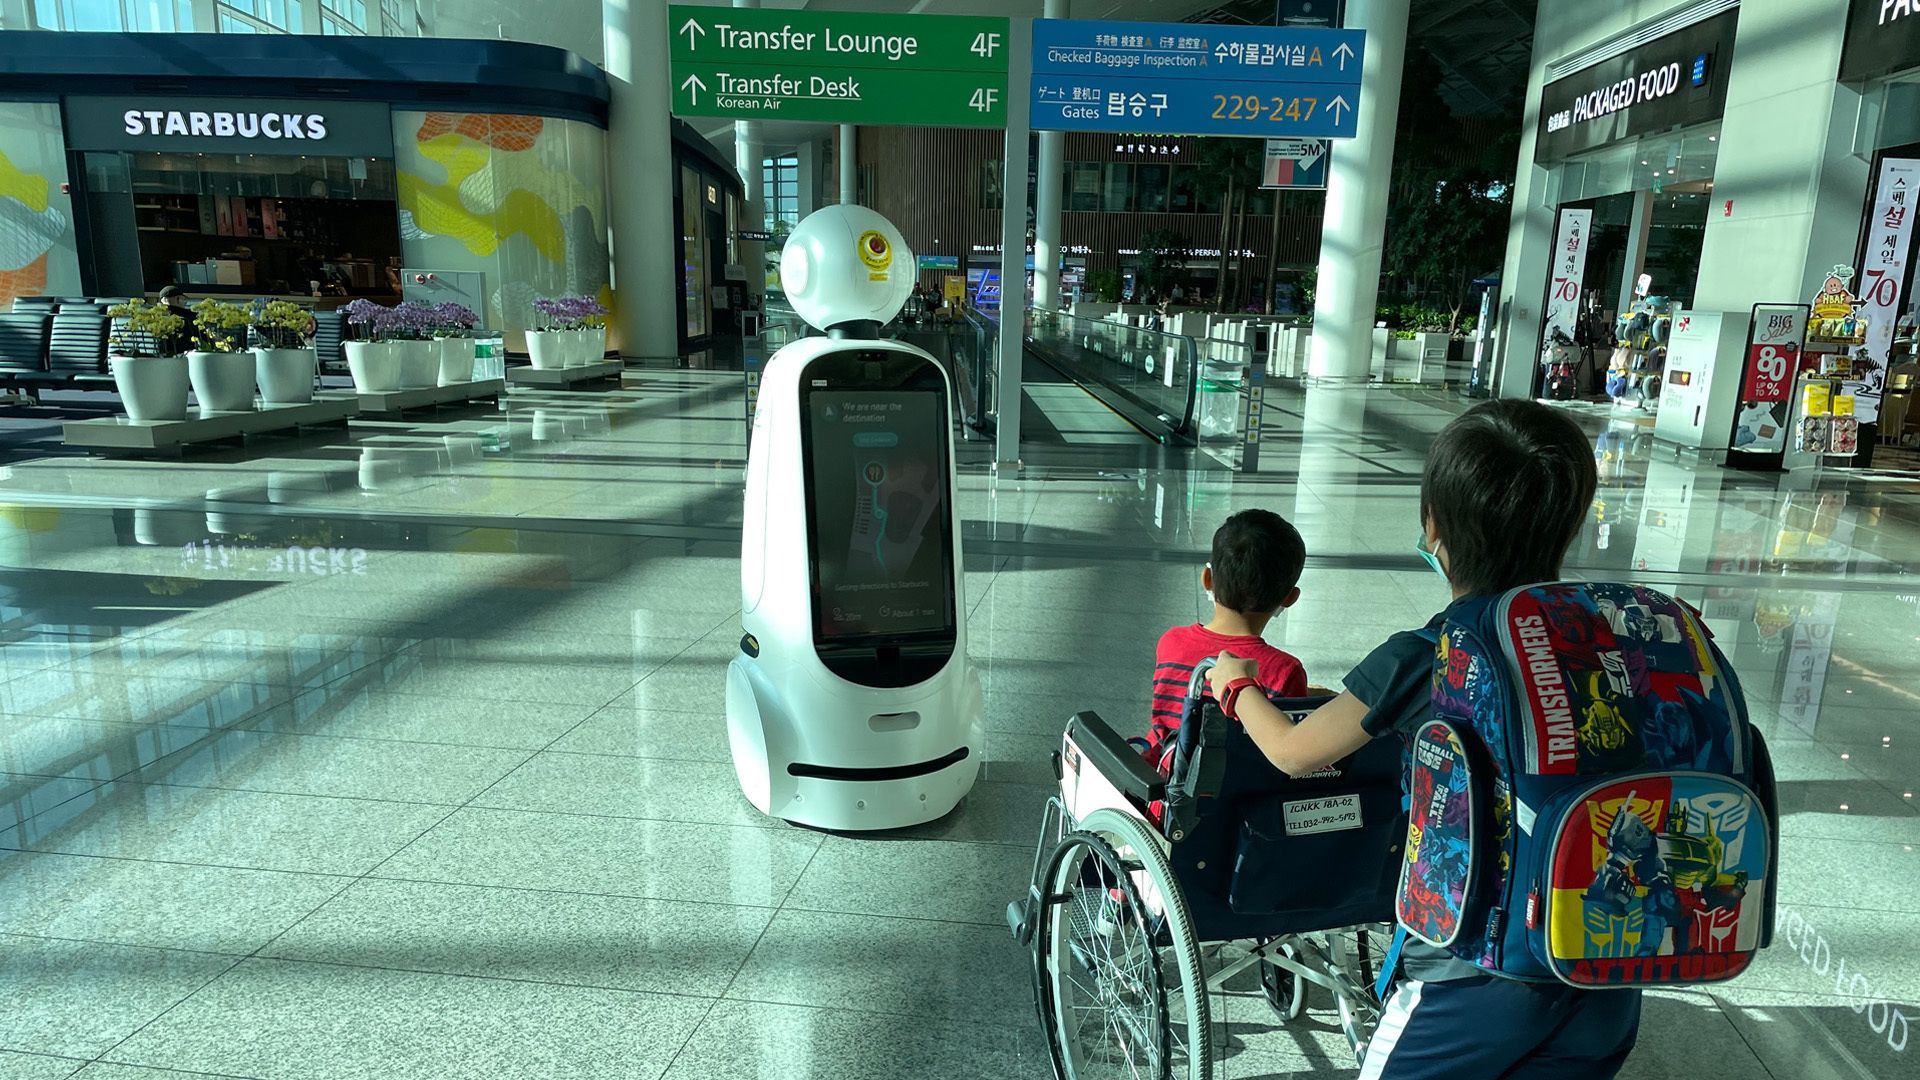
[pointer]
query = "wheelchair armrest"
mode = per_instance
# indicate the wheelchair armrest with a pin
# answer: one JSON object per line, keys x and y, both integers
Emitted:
{"x": 1119, "y": 762}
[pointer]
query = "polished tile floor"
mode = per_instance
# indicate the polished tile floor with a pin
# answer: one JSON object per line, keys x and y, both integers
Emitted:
{"x": 397, "y": 753}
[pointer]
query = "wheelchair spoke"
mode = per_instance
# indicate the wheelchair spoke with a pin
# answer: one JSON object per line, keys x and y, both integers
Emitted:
{"x": 1109, "y": 1005}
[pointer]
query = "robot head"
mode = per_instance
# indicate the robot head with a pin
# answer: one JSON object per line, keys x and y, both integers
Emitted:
{"x": 846, "y": 264}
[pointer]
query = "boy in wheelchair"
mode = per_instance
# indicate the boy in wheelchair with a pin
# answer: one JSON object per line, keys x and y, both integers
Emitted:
{"x": 1254, "y": 574}
{"x": 1505, "y": 490}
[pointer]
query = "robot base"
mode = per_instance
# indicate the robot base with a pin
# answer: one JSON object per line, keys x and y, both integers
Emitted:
{"x": 922, "y": 784}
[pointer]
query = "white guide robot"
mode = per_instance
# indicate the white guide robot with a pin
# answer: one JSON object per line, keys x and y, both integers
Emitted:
{"x": 851, "y": 704}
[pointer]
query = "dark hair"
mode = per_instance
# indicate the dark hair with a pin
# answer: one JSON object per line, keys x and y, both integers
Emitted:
{"x": 1506, "y": 487}
{"x": 170, "y": 291}
{"x": 1257, "y": 559}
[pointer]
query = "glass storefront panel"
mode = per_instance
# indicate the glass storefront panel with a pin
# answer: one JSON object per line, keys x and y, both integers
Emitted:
{"x": 520, "y": 199}
{"x": 37, "y": 254}
{"x": 693, "y": 252}
{"x": 1651, "y": 163}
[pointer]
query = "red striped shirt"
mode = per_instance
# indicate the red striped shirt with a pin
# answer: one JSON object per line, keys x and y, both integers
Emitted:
{"x": 1182, "y": 648}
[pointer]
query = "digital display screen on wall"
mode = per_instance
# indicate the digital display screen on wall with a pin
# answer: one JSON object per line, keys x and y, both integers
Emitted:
{"x": 882, "y": 549}
{"x": 1676, "y": 80}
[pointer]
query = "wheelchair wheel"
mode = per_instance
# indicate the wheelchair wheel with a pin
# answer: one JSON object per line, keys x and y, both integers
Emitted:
{"x": 1122, "y": 991}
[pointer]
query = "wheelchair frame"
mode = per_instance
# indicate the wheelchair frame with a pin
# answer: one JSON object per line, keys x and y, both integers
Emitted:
{"x": 1104, "y": 905}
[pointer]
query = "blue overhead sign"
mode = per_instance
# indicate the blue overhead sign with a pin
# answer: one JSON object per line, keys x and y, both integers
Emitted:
{"x": 1195, "y": 79}
{"x": 1190, "y": 107}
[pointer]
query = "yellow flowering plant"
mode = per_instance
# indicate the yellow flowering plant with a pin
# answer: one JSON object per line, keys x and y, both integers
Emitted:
{"x": 284, "y": 324}
{"x": 220, "y": 327}
{"x": 145, "y": 331}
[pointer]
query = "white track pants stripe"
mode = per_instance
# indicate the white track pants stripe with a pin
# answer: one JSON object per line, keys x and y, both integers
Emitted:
{"x": 1393, "y": 1022}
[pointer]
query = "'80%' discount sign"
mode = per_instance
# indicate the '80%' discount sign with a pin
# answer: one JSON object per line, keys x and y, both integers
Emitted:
{"x": 1773, "y": 352}
{"x": 839, "y": 67}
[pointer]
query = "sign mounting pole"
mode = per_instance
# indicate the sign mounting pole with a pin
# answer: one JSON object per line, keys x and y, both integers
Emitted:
{"x": 1013, "y": 252}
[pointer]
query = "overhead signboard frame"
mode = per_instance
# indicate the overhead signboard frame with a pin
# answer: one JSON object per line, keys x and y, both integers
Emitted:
{"x": 1196, "y": 79}
{"x": 1883, "y": 36}
{"x": 839, "y": 67}
{"x": 1676, "y": 80}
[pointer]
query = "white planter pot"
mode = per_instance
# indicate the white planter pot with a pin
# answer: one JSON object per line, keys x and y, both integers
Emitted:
{"x": 576, "y": 347}
{"x": 285, "y": 376}
{"x": 596, "y": 347}
{"x": 547, "y": 348}
{"x": 152, "y": 388}
{"x": 222, "y": 382}
{"x": 419, "y": 363}
{"x": 375, "y": 366}
{"x": 456, "y": 360}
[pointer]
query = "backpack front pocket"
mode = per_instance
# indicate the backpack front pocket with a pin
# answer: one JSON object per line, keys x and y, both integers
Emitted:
{"x": 1654, "y": 879}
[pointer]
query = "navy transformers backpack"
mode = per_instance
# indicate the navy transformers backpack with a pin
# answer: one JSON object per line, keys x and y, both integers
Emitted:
{"x": 1589, "y": 803}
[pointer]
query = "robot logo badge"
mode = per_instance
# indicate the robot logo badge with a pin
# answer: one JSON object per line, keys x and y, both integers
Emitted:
{"x": 876, "y": 253}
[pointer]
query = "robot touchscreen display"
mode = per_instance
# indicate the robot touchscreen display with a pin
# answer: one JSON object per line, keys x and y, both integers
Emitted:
{"x": 879, "y": 514}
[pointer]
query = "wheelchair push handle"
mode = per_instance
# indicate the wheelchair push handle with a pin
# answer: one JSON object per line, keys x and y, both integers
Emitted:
{"x": 1197, "y": 683}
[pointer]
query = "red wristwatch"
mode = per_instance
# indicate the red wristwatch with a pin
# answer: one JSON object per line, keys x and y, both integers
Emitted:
{"x": 1232, "y": 696}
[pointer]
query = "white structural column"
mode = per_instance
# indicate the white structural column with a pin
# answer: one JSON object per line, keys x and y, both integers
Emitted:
{"x": 1796, "y": 203}
{"x": 806, "y": 190}
{"x": 1358, "y": 176}
{"x": 849, "y": 165}
{"x": 1013, "y": 248}
{"x": 1639, "y": 231}
{"x": 749, "y": 156}
{"x": 1046, "y": 199}
{"x": 640, "y": 166}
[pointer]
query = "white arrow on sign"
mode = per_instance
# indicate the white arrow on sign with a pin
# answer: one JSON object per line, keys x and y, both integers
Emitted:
{"x": 1336, "y": 105}
{"x": 1344, "y": 52}
{"x": 693, "y": 86}
{"x": 691, "y": 28}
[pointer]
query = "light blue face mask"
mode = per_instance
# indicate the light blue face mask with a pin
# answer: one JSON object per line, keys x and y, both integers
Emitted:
{"x": 1420, "y": 545}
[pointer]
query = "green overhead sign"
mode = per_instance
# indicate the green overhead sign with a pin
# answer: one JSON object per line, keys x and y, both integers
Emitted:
{"x": 839, "y": 67}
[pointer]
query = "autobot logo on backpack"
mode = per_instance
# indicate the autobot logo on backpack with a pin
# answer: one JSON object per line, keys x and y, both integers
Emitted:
{"x": 1654, "y": 887}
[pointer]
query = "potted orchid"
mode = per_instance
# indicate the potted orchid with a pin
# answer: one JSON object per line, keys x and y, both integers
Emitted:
{"x": 219, "y": 366}
{"x": 573, "y": 324}
{"x": 284, "y": 365}
{"x": 590, "y": 324}
{"x": 372, "y": 355}
{"x": 453, "y": 330}
{"x": 550, "y": 335}
{"x": 413, "y": 325}
{"x": 145, "y": 355}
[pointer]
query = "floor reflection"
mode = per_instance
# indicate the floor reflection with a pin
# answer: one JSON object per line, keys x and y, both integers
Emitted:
{"x": 450, "y": 663}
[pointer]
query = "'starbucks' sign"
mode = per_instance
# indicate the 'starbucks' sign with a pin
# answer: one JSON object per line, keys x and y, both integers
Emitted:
{"x": 941, "y": 70}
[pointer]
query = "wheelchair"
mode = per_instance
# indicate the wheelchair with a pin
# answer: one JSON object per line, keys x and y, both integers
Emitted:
{"x": 1137, "y": 923}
